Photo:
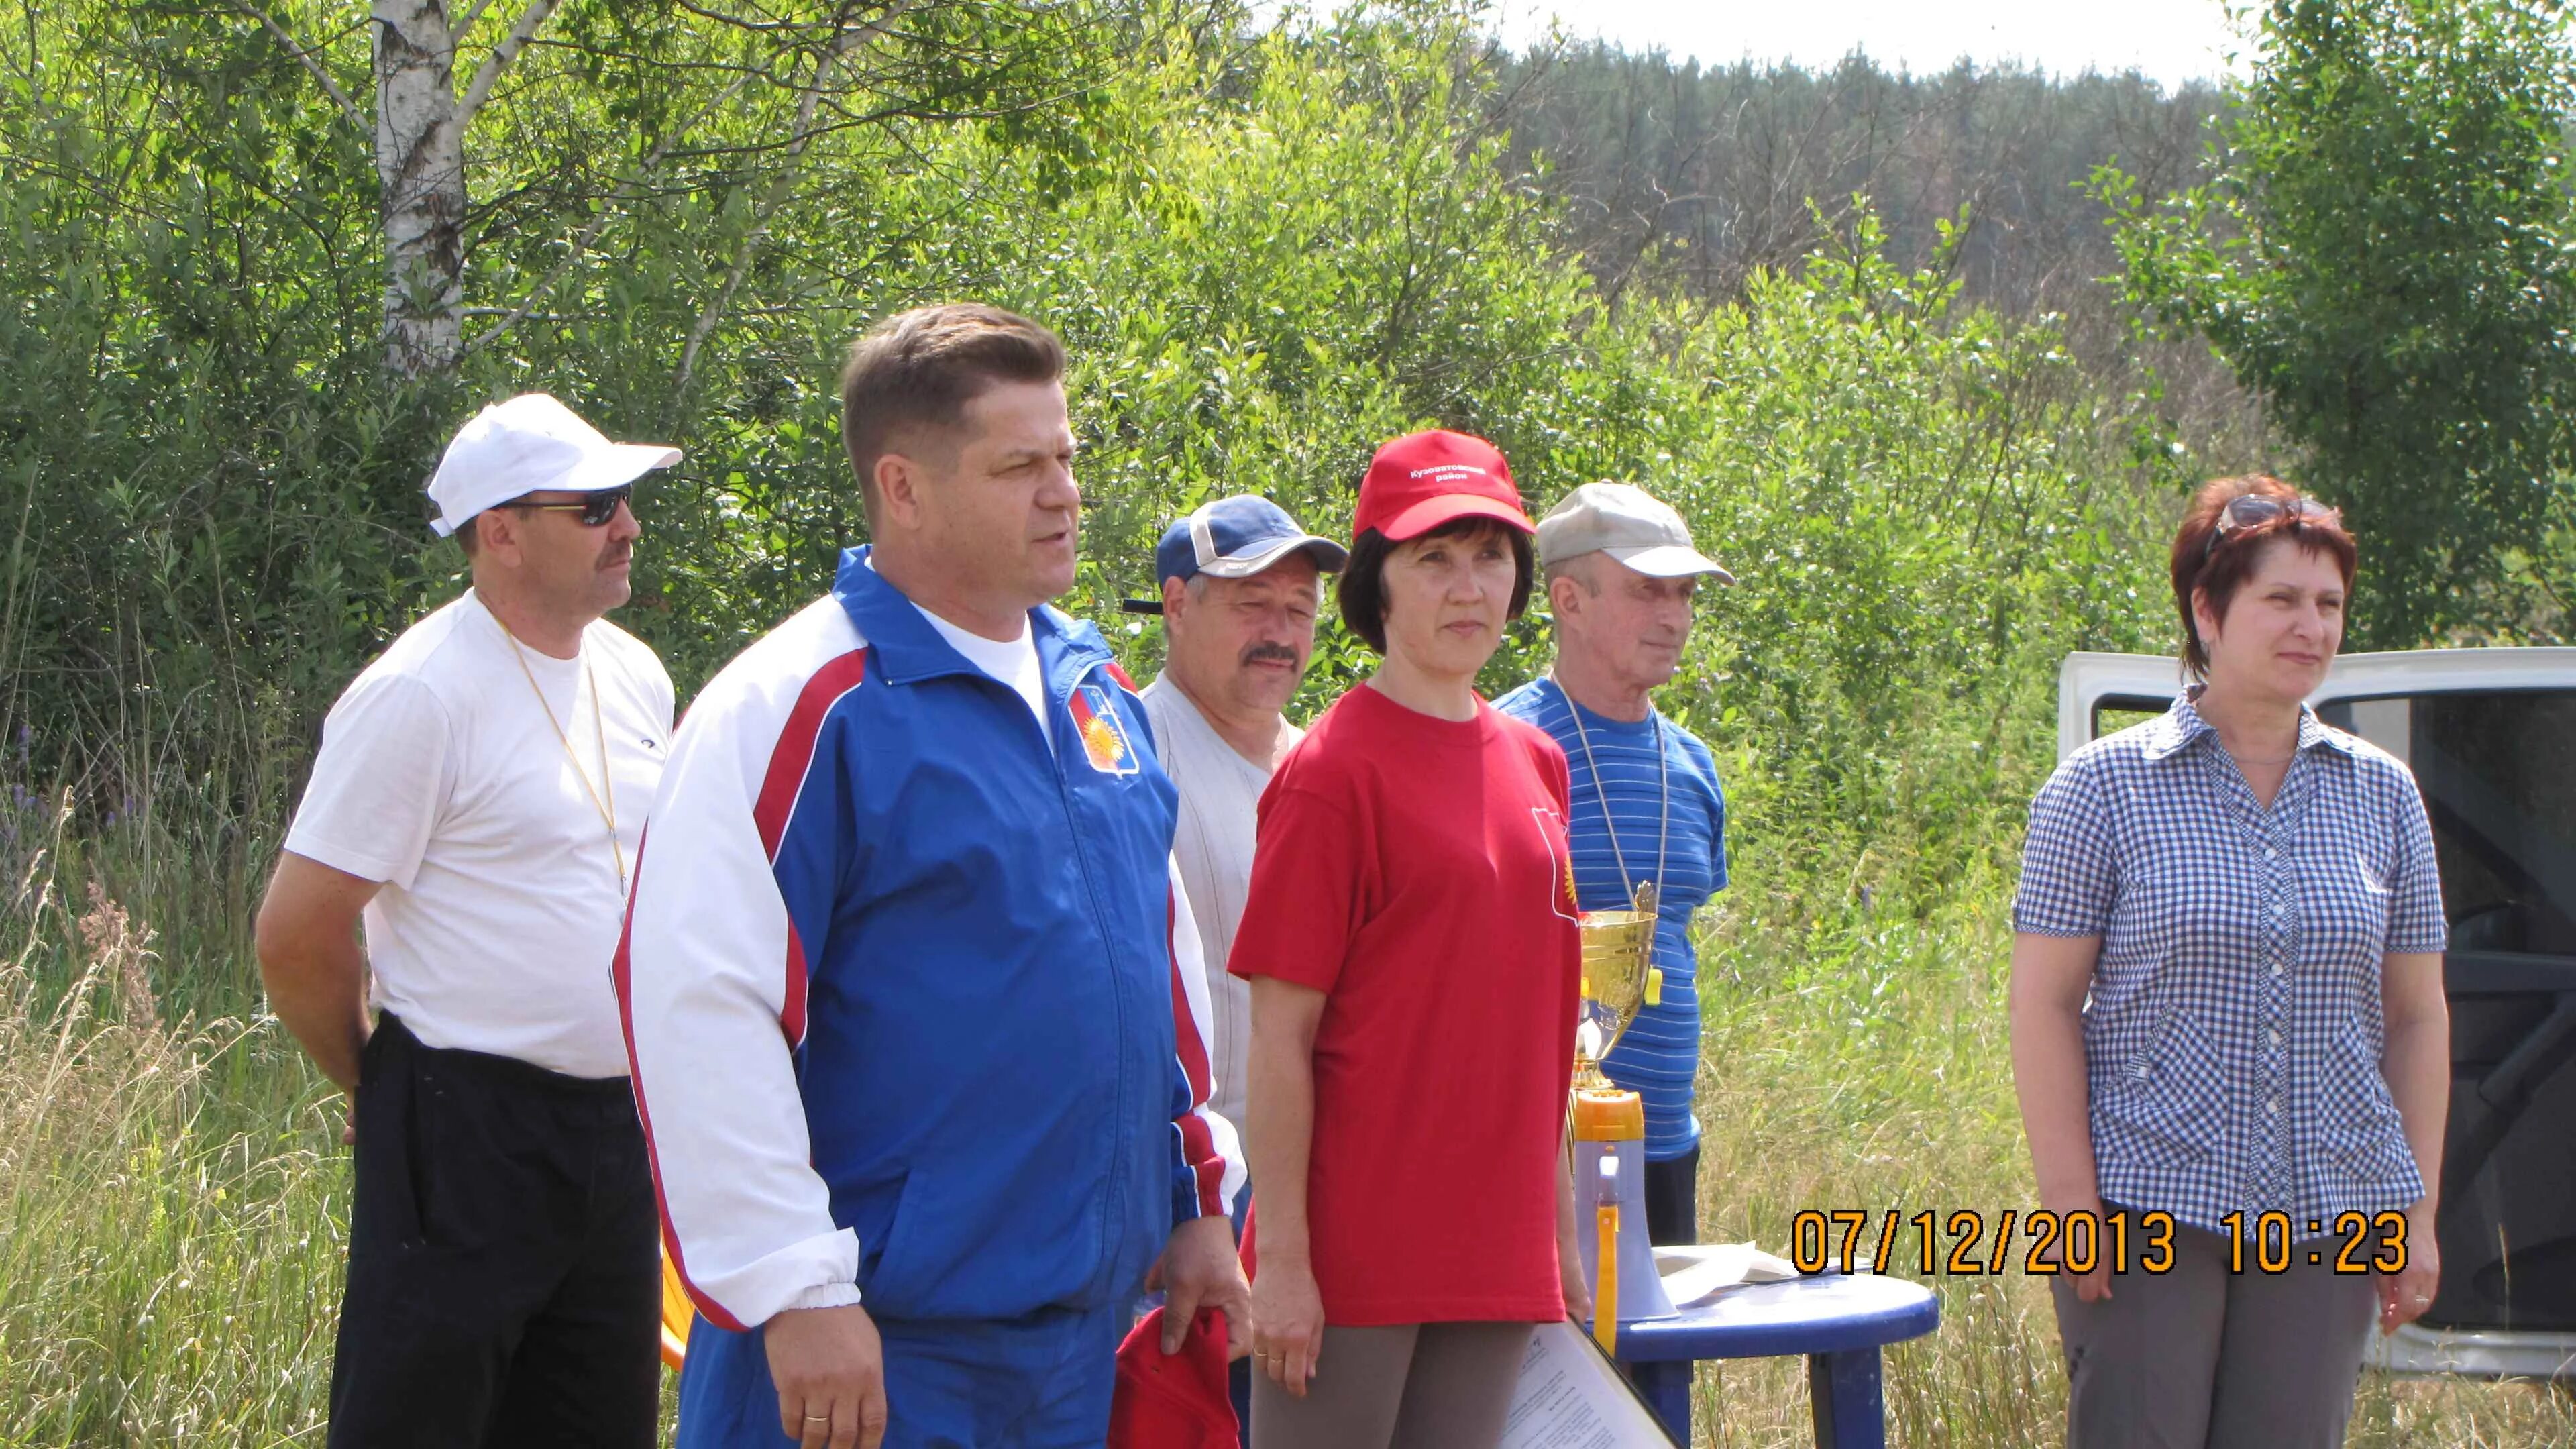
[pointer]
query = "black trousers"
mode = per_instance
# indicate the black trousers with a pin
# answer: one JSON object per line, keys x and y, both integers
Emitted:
{"x": 504, "y": 1263}
{"x": 1672, "y": 1200}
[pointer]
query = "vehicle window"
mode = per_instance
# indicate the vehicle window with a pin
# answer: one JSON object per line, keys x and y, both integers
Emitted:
{"x": 2498, "y": 771}
{"x": 2111, "y": 720}
{"x": 2115, "y": 712}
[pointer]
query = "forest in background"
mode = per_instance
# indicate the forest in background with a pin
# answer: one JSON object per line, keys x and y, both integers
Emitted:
{"x": 255, "y": 267}
{"x": 1928, "y": 361}
{"x": 1680, "y": 178}
{"x": 1726, "y": 167}
{"x": 1267, "y": 252}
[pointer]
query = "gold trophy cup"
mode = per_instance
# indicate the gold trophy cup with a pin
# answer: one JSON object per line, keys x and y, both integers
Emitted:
{"x": 1609, "y": 1122}
{"x": 1619, "y": 979}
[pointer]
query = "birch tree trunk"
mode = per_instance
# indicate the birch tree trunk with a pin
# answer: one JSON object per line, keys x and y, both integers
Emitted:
{"x": 420, "y": 161}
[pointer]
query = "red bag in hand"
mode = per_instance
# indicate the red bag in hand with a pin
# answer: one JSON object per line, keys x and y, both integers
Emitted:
{"x": 1175, "y": 1401}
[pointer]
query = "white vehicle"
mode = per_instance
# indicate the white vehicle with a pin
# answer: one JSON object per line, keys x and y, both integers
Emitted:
{"x": 2491, "y": 737}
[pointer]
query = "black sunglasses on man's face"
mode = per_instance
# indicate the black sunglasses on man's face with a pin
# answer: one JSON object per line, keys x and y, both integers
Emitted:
{"x": 595, "y": 509}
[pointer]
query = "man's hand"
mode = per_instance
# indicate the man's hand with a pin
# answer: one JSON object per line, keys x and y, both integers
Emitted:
{"x": 1198, "y": 1270}
{"x": 312, "y": 964}
{"x": 830, "y": 1372}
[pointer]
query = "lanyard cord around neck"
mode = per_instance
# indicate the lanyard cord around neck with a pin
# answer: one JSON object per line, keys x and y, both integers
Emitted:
{"x": 1663, "y": 789}
{"x": 603, "y": 797}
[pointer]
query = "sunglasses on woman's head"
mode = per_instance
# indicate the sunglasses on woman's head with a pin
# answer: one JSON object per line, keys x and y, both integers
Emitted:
{"x": 2255, "y": 508}
{"x": 595, "y": 509}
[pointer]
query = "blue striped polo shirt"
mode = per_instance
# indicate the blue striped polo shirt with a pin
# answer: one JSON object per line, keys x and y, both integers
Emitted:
{"x": 1659, "y": 1057}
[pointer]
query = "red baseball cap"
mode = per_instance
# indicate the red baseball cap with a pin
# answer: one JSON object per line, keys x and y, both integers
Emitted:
{"x": 1176, "y": 1401}
{"x": 1423, "y": 480}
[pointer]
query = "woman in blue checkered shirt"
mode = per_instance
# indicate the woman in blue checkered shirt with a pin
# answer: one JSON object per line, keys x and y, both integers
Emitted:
{"x": 2227, "y": 1004}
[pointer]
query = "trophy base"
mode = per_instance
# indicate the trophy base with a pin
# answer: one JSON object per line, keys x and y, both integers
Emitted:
{"x": 1606, "y": 1113}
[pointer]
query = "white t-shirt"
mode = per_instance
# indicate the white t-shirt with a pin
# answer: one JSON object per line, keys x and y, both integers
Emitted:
{"x": 1220, "y": 812}
{"x": 1012, "y": 661}
{"x": 440, "y": 776}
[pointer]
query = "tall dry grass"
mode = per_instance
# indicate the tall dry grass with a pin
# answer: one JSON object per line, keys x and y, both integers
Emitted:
{"x": 171, "y": 1226}
{"x": 173, "y": 1192}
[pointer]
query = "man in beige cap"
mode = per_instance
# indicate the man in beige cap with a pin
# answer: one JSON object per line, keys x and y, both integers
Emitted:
{"x": 476, "y": 808}
{"x": 1621, "y": 572}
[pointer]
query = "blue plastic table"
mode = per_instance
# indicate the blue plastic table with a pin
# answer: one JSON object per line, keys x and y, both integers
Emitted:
{"x": 1839, "y": 1322}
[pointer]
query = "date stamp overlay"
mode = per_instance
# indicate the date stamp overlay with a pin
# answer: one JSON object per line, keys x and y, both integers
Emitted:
{"x": 1969, "y": 1241}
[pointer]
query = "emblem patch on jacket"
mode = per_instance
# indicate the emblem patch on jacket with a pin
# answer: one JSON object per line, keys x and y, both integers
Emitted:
{"x": 1104, "y": 736}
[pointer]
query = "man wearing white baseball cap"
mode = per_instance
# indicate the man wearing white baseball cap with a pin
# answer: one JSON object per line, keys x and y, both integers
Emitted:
{"x": 1649, "y": 814}
{"x": 476, "y": 808}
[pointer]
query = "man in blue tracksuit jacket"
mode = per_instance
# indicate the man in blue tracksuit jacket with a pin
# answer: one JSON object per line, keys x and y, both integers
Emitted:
{"x": 916, "y": 1043}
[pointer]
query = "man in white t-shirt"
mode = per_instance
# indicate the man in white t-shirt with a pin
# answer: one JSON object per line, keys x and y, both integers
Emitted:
{"x": 1240, "y": 580}
{"x": 476, "y": 807}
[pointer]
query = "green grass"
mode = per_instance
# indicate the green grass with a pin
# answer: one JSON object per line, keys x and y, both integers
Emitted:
{"x": 174, "y": 1223}
{"x": 173, "y": 1193}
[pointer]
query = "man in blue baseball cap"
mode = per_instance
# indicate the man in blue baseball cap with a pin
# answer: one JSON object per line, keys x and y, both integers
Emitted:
{"x": 1240, "y": 582}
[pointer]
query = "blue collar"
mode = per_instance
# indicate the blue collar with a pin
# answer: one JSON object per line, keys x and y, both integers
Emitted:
{"x": 909, "y": 651}
{"x": 2181, "y": 727}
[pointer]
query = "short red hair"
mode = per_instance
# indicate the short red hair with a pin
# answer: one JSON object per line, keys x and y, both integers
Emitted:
{"x": 2219, "y": 571}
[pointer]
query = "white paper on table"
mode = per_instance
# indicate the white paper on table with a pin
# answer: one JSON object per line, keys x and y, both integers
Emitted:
{"x": 1571, "y": 1396}
{"x": 1696, "y": 1273}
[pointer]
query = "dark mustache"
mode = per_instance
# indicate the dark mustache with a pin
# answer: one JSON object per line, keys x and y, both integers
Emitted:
{"x": 1265, "y": 653}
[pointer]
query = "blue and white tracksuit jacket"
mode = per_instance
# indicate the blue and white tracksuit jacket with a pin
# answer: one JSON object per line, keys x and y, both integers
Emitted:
{"x": 909, "y": 1017}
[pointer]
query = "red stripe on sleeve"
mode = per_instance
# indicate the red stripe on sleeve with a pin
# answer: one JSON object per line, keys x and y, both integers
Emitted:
{"x": 1198, "y": 1145}
{"x": 791, "y": 1014}
{"x": 621, "y": 976}
{"x": 794, "y": 752}
{"x": 789, "y": 760}
{"x": 1185, "y": 1026}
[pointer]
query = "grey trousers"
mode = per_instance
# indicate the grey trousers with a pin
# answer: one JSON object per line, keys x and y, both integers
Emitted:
{"x": 1411, "y": 1386}
{"x": 2202, "y": 1358}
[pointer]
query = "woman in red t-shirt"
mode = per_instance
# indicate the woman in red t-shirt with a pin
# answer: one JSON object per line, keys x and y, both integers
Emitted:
{"x": 1410, "y": 940}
